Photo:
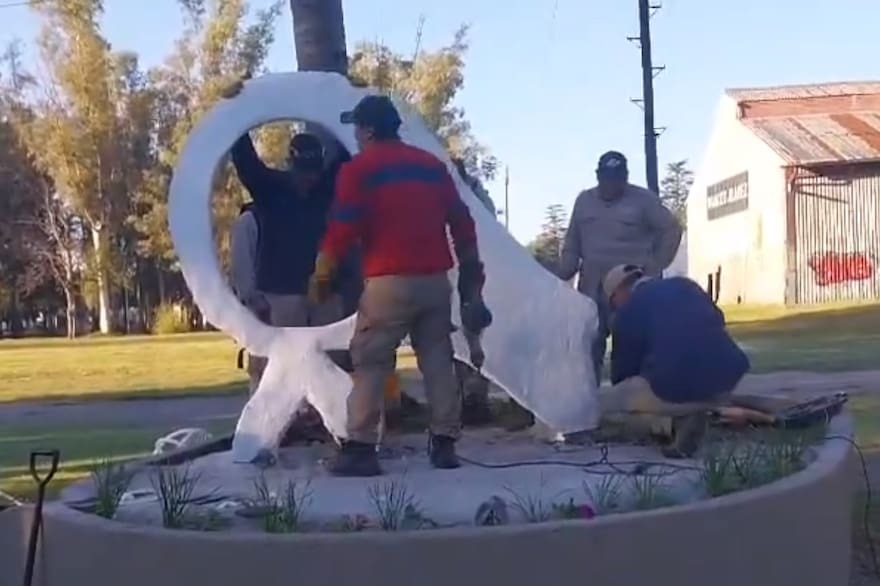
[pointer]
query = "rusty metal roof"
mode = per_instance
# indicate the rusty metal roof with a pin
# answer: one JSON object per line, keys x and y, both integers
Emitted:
{"x": 793, "y": 92}
{"x": 821, "y": 138}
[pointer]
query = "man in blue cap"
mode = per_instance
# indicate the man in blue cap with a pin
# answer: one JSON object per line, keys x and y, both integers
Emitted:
{"x": 615, "y": 223}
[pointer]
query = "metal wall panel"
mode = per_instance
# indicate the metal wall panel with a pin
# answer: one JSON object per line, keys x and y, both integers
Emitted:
{"x": 836, "y": 233}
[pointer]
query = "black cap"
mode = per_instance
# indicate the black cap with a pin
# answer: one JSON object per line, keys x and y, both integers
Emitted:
{"x": 306, "y": 152}
{"x": 612, "y": 164}
{"x": 376, "y": 112}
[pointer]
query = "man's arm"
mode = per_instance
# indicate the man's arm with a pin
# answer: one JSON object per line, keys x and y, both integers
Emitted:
{"x": 347, "y": 215}
{"x": 627, "y": 348}
{"x": 260, "y": 181}
{"x": 243, "y": 256}
{"x": 461, "y": 223}
{"x": 570, "y": 259}
{"x": 666, "y": 234}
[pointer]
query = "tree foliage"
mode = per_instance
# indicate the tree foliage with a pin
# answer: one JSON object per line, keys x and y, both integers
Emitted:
{"x": 675, "y": 187}
{"x": 547, "y": 247}
{"x": 429, "y": 82}
{"x": 218, "y": 45}
{"x": 87, "y": 151}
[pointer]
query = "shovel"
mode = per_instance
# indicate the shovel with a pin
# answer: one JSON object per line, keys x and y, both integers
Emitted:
{"x": 42, "y": 480}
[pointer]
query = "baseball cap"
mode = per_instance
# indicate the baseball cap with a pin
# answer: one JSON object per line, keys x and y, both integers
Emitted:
{"x": 619, "y": 275}
{"x": 612, "y": 164}
{"x": 374, "y": 111}
{"x": 306, "y": 152}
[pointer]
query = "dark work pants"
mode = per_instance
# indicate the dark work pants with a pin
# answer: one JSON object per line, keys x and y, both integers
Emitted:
{"x": 600, "y": 343}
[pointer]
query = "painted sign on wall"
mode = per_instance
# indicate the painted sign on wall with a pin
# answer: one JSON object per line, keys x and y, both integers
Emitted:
{"x": 831, "y": 268}
{"x": 728, "y": 196}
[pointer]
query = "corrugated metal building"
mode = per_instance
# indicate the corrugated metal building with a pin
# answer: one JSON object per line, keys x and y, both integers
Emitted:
{"x": 785, "y": 207}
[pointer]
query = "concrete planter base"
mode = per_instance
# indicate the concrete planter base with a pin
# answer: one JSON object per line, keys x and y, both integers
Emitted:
{"x": 793, "y": 531}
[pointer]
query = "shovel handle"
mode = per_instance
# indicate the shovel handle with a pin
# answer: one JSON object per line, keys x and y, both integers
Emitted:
{"x": 53, "y": 456}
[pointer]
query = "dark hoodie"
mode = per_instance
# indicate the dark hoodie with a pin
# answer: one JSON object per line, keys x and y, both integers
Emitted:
{"x": 290, "y": 226}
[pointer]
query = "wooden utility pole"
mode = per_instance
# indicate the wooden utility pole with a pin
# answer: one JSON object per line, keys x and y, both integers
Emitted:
{"x": 319, "y": 35}
{"x": 649, "y": 72}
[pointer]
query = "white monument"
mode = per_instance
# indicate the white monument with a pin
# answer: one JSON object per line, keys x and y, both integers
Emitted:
{"x": 537, "y": 349}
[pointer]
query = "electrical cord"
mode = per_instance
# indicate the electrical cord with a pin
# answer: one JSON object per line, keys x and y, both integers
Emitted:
{"x": 866, "y": 513}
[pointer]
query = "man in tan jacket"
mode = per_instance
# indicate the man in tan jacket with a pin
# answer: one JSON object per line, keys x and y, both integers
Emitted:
{"x": 615, "y": 223}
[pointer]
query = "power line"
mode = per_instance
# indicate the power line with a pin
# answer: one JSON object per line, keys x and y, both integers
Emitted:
{"x": 20, "y": 3}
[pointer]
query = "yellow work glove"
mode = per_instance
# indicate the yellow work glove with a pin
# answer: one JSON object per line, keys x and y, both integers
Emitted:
{"x": 319, "y": 282}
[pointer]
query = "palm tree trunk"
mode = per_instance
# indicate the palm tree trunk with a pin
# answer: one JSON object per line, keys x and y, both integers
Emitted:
{"x": 319, "y": 35}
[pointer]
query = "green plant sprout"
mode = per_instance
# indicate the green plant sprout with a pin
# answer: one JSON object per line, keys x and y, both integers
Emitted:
{"x": 395, "y": 504}
{"x": 605, "y": 495}
{"x": 174, "y": 487}
{"x": 111, "y": 481}
{"x": 651, "y": 492}
{"x": 285, "y": 514}
{"x": 531, "y": 506}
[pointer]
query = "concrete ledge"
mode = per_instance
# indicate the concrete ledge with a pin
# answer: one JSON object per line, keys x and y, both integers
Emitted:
{"x": 793, "y": 531}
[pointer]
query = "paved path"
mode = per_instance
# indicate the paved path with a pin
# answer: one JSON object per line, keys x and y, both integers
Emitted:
{"x": 198, "y": 411}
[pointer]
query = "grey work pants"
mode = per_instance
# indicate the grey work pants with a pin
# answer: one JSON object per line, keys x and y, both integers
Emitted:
{"x": 293, "y": 311}
{"x": 390, "y": 308}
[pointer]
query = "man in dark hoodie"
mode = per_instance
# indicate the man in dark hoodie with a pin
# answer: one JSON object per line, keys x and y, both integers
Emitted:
{"x": 279, "y": 232}
{"x": 672, "y": 359}
{"x": 291, "y": 209}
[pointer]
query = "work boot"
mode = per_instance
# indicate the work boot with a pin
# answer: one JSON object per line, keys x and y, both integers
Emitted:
{"x": 687, "y": 434}
{"x": 442, "y": 452}
{"x": 355, "y": 459}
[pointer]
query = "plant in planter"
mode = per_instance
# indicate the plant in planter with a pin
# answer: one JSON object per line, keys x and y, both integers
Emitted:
{"x": 784, "y": 454}
{"x": 111, "y": 481}
{"x": 396, "y": 506}
{"x": 605, "y": 495}
{"x": 285, "y": 514}
{"x": 175, "y": 487}
{"x": 717, "y": 472}
{"x": 531, "y": 506}
{"x": 651, "y": 492}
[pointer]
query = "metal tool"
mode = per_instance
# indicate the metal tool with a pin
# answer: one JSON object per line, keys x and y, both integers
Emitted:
{"x": 42, "y": 481}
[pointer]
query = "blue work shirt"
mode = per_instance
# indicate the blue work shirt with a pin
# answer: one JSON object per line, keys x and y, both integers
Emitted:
{"x": 671, "y": 333}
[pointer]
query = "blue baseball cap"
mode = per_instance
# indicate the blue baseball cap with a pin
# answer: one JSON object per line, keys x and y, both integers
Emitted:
{"x": 612, "y": 165}
{"x": 376, "y": 112}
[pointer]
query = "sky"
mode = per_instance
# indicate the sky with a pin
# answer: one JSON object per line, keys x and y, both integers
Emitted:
{"x": 548, "y": 83}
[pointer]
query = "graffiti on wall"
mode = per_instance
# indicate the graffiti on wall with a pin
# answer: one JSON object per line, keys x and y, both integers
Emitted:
{"x": 832, "y": 268}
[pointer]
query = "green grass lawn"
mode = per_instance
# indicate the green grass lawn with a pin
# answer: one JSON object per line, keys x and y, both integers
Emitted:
{"x": 81, "y": 449}
{"x": 118, "y": 367}
{"x": 835, "y": 339}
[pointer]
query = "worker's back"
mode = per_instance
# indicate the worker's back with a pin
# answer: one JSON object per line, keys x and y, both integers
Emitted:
{"x": 689, "y": 355}
{"x": 407, "y": 199}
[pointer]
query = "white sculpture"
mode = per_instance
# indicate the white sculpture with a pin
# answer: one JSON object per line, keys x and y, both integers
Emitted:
{"x": 537, "y": 349}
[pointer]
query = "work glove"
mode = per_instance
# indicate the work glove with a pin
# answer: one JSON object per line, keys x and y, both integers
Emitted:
{"x": 321, "y": 279}
{"x": 470, "y": 280}
{"x": 475, "y": 316}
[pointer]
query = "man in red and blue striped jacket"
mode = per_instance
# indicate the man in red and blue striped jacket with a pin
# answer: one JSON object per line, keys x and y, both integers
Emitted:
{"x": 397, "y": 201}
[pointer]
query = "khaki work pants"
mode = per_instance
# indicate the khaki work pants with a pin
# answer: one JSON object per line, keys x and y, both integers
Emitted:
{"x": 293, "y": 311}
{"x": 390, "y": 308}
{"x": 632, "y": 407}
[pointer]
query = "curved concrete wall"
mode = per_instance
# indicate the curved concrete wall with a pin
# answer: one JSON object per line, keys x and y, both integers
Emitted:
{"x": 794, "y": 531}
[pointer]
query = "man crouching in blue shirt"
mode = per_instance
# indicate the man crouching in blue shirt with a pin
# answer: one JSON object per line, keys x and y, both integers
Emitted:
{"x": 672, "y": 359}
